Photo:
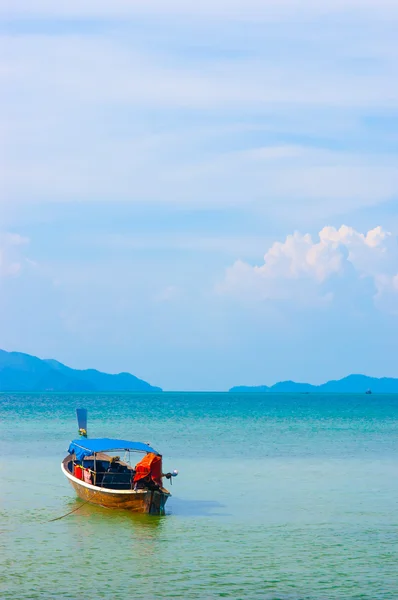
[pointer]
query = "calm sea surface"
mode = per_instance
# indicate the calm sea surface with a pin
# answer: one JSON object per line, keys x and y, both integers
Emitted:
{"x": 282, "y": 497}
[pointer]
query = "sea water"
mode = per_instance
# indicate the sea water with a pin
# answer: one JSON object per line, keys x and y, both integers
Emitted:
{"x": 278, "y": 497}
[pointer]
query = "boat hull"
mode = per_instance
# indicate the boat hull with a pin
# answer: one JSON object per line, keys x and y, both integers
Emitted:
{"x": 140, "y": 501}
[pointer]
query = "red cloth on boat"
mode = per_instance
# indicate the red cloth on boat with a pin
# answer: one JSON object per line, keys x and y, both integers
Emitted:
{"x": 151, "y": 465}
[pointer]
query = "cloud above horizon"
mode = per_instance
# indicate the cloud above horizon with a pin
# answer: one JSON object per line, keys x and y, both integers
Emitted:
{"x": 311, "y": 272}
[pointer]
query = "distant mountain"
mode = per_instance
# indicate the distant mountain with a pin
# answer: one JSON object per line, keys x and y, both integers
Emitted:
{"x": 353, "y": 384}
{"x": 24, "y": 373}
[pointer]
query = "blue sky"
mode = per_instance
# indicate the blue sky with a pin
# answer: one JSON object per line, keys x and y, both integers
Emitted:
{"x": 205, "y": 194}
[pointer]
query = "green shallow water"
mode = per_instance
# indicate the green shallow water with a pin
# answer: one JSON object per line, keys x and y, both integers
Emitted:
{"x": 279, "y": 497}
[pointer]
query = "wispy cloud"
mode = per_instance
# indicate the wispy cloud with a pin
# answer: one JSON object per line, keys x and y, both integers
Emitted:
{"x": 113, "y": 116}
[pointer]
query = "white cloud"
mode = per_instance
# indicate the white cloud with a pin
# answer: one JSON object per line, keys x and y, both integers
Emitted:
{"x": 10, "y": 257}
{"x": 307, "y": 272}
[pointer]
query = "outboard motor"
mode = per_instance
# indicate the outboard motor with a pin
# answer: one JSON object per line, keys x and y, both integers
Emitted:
{"x": 170, "y": 475}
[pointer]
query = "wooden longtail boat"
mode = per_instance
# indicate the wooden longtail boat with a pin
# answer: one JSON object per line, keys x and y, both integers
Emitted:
{"x": 97, "y": 473}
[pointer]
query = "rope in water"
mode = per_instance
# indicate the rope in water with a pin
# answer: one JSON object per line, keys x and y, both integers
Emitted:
{"x": 49, "y": 521}
{"x": 68, "y": 513}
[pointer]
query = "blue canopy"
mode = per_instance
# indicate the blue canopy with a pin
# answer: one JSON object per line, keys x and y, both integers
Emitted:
{"x": 87, "y": 447}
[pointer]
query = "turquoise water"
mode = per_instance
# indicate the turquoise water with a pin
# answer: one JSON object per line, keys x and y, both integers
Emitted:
{"x": 278, "y": 497}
